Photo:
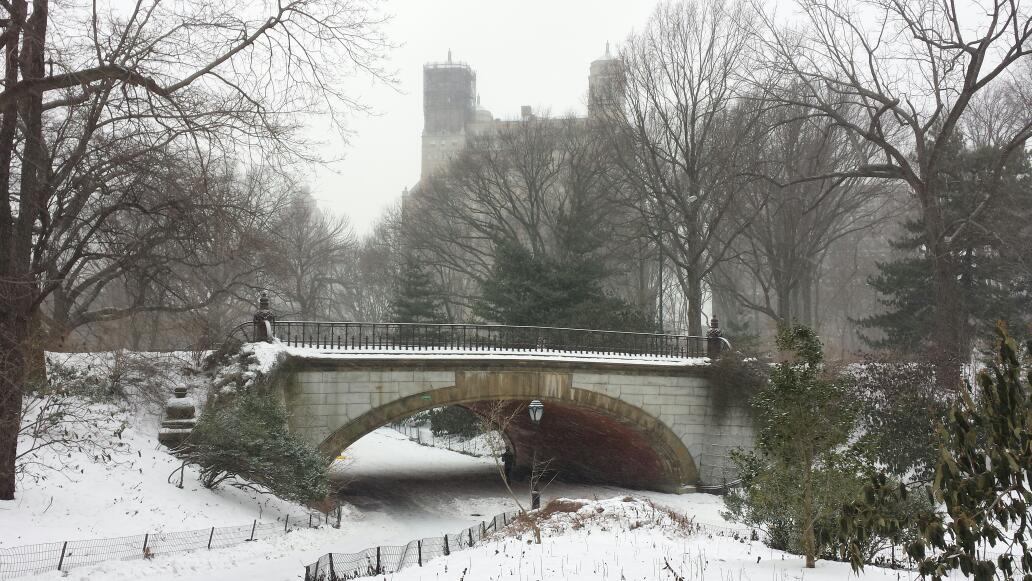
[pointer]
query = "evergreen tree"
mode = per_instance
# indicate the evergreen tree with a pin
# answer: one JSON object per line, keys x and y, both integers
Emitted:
{"x": 416, "y": 298}
{"x": 801, "y": 471}
{"x": 244, "y": 438}
{"x": 988, "y": 256}
{"x": 524, "y": 289}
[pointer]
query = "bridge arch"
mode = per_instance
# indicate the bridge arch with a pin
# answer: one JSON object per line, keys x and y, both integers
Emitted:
{"x": 650, "y": 425}
{"x": 626, "y": 445}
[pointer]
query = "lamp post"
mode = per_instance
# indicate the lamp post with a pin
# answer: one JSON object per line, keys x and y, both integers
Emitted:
{"x": 536, "y": 409}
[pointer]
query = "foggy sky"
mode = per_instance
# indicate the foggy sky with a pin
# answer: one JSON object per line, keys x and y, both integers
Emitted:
{"x": 531, "y": 52}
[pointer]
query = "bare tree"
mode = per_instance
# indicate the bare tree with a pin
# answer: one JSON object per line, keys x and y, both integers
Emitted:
{"x": 902, "y": 77}
{"x": 88, "y": 89}
{"x": 305, "y": 257}
{"x": 681, "y": 134}
{"x": 542, "y": 184}
{"x": 194, "y": 249}
{"x": 787, "y": 230}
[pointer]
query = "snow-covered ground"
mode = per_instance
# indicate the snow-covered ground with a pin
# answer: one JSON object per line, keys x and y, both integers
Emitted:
{"x": 396, "y": 491}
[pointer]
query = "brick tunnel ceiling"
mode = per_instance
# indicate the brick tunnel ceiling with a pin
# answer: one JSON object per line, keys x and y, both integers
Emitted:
{"x": 583, "y": 445}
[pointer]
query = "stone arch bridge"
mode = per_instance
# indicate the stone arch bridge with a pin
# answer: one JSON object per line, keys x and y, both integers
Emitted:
{"x": 641, "y": 410}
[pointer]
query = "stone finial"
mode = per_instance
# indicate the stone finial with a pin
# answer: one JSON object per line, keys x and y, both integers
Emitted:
{"x": 714, "y": 328}
{"x": 714, "y": 341}
{"x": 180, "y": 418}
{"x": 263, "y": 314}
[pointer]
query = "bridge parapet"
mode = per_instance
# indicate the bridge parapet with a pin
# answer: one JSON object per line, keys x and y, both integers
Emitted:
{"x": 405, "y": 338}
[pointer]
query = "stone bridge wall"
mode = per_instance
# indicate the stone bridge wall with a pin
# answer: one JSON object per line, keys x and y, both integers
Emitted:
{"x": 334, "y": 401}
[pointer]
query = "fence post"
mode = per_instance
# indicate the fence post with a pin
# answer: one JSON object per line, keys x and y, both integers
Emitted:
{"x": 378, "y": 570}
{"x": 210, "y": 537}
{"x": 419, "y": 551}
{"x": 146, "y": 537}
{"x": 446, "y": 551}
{"x": 286, "y": 523}
{"x": 333, "y": 575}
{"x": 253, "y": 525}
{"x": 60, "y": 561}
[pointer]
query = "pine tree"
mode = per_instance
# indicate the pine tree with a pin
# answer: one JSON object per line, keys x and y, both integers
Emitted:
{"x": 524, "y": 289}
{"x": 244, "y": 439}
{"x": 416, "y": 298}
{"x": 988, "y": 257}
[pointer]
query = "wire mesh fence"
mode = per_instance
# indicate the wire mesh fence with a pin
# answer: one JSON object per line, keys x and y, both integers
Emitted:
{"x": 391, "y": 559}
{"x": 65, "y": 555}
{"x": 476, "y": 446}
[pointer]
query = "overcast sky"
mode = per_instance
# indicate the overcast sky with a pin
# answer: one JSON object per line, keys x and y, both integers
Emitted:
{"x": 531, "y": 52}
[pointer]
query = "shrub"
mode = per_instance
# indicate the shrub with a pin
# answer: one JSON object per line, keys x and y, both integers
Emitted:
{"x": 454, "y": 420}
{"x": 243, "y": 441}
{"x": 981, "y": 481}
{"x": 802, "y": 470}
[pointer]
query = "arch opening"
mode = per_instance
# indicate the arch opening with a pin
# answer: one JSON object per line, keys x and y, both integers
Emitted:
{"x": 586, "y": 435}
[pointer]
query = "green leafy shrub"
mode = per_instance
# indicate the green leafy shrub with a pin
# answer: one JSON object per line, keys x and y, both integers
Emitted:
{"x": 802, "y": 470}
{"x": 243, "y": 441}
{"x": 900, "y": 409}
{"x": 454, "y": 420}
{"x": 982, "y": 480}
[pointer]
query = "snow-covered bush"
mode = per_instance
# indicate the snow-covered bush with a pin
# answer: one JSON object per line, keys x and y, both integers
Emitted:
{"x": 242, "y": 440}
{"x": 74, "y": 411}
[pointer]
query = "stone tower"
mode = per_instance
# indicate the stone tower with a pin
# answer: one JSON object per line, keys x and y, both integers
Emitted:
{"x": 605, "y": 84}
{"x": 449, "y": 104}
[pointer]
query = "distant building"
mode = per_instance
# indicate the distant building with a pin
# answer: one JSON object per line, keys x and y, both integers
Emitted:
{"x": 452, "y": 112}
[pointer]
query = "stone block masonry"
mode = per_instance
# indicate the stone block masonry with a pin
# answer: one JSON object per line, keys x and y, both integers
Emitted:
{"x": 650, "y": 426}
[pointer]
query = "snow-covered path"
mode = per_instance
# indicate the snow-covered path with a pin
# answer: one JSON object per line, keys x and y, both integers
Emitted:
{"x": 396, "y": 479}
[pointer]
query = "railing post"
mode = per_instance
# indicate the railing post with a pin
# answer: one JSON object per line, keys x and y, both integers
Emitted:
{"x": 146, "y": 537}
{"x": 378, "y": 569}
{"x": 714, "y": 343}
{"x": 419, "y": 551}
{"x": 263, "y": 315}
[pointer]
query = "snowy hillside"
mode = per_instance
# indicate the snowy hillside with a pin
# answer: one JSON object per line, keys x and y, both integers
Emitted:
{"x": 125, "y": 478}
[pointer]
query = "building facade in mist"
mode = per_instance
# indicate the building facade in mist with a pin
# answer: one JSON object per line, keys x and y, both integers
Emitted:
{"x": 452, "y": 113}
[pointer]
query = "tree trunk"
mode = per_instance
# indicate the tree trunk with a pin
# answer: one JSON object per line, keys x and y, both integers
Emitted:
{"x": 949, "y": 338}
{"x": 19, "y": 289}
{"x": 809, "y": 540}
{"x": 694, "y": 305}
{"x": 14, "y": 340}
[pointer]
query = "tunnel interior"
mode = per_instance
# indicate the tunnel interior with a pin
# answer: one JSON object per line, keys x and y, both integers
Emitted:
{"x": 579, "y": 444}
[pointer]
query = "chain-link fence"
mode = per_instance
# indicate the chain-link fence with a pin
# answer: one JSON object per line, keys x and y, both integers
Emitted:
{"x": 478, "y": 446}
{"x": 61, "y": 556}
{"x": 382, "y": 560}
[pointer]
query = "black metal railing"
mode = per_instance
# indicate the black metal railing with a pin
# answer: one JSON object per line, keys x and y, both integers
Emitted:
{"x": 417, "y": 337}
